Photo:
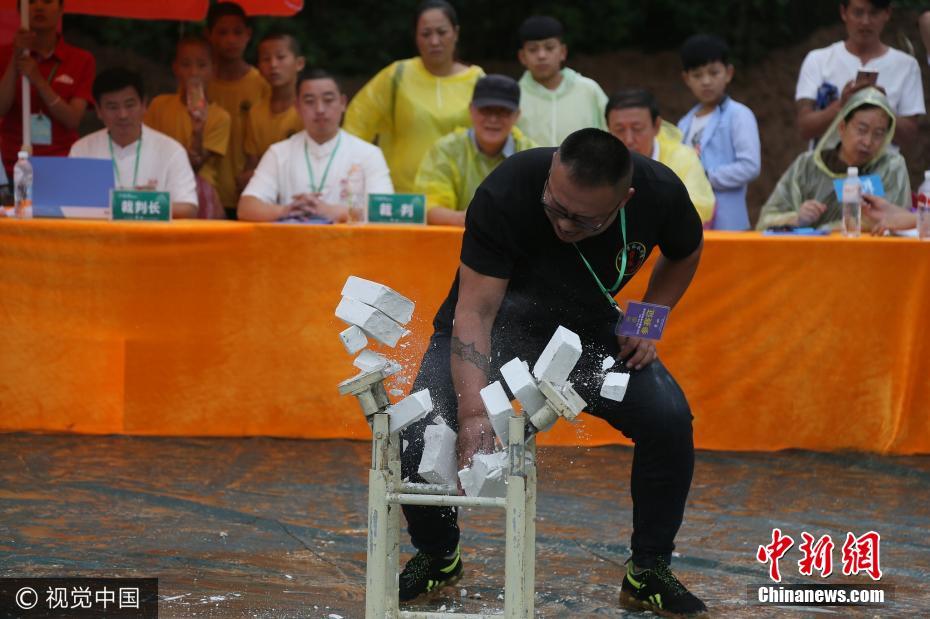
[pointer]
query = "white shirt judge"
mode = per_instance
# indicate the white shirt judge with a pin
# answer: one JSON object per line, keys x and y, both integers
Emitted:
{"x": 307, "y": 175}
{"x": 162, "y": 163}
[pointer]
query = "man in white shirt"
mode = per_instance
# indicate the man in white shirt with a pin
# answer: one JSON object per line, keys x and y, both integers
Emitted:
{"x": 831, "y": 74}
{"x": 142, "y": 157}
{"x": 308, "y": 175}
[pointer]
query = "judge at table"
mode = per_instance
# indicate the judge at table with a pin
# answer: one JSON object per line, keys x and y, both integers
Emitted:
{"x": 142, "y": 158}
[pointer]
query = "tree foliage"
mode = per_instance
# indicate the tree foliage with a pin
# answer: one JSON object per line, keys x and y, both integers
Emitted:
{"x": 357, "y": 37}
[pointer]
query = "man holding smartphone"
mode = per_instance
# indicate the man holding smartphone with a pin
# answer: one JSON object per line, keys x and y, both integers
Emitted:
{"x": 830, "y": 75}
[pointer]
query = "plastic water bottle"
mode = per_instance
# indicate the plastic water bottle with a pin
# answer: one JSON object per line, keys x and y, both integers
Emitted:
{"x": 356, "y": 195}
{"x": 852, "y": 203}
{"x": 923, "y": 208}
{"x": 22, "y": 186}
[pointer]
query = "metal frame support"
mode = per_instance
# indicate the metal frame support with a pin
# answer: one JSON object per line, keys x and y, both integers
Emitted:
{"x": 386, "y": 493}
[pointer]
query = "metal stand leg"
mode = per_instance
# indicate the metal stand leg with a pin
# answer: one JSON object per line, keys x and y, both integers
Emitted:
{"x": 515, "y": 553}
{"x": 529, "y": 547}
{"x": 378, "y": 568}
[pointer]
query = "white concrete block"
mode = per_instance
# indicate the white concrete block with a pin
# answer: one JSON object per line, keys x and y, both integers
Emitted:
{"x": 559, "y": 357}
{"x": 522, "y": 385}
{"x": 379, "y": 296}
{"x": 614, "y": 387}
{"x": 353, "y": 339}
{"x": 374, "y": 322}
{"x": 489, "y": 474}
{"x": 438, "y": 464}
{"x": 369, "y": 361}
{"x": 608, "y": 363}
{"x": 499, "y": 409}
{"x": 412, "y": 408}
{"x": 466, "y": 480}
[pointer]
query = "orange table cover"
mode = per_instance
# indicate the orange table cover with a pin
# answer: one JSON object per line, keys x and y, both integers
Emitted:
{"x": 227, "y": 329}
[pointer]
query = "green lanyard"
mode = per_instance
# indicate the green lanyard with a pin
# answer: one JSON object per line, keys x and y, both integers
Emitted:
{"x": 319, "y": 188}
{"x": 597, "y": 279}
{"x": 135, "y": 173}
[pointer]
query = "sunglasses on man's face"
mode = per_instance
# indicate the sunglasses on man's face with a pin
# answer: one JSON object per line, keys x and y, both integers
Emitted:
{"x": 585, "y": 223}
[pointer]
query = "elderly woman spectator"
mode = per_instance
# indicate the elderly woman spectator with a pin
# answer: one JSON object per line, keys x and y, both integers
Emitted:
{"x": 859, "y": 136}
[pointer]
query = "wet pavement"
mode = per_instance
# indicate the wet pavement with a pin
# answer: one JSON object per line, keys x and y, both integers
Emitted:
{"x": 276, "y": 528}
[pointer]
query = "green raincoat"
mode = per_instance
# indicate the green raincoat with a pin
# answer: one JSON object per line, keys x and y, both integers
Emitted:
{"x": 811, "y": 175}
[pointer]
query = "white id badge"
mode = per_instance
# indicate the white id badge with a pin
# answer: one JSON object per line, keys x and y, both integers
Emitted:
{"x": 41, "y": 129}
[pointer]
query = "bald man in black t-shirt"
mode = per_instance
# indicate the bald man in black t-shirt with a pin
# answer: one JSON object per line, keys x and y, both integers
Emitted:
{"x": 543, "y": 246}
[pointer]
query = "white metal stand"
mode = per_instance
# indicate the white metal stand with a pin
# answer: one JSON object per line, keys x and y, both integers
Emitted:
{"x": 386, "y": 494}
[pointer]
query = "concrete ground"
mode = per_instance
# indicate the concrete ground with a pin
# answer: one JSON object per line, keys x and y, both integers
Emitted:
{"x": 276, "y": 528}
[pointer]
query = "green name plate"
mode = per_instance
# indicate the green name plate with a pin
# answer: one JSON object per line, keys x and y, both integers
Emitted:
{"x": 397, "y": 208}
{"x": 132, "y": 205}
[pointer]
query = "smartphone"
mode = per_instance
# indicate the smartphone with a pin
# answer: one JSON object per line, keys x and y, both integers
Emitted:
{"x": 867, "y": 76}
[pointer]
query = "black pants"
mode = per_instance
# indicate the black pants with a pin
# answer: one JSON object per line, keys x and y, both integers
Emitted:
{"x": 654, "y": 415}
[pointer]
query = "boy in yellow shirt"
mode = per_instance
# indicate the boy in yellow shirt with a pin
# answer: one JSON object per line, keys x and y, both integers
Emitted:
{"x": 236, "y": 86}
{"x": 275, "y": 119}
{"x": 201, "y": 127}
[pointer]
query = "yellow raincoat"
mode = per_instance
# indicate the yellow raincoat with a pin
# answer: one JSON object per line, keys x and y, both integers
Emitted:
{"x": 408, "y": 108}
{"x": 454, "y": 167}
{"x": 685, "y": 163}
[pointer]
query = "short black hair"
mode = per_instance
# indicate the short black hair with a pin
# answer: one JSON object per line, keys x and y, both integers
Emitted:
{"x": 282, "y": 35}
{"x": 878, "y": 4}
{"x": 447, "y": 9}
{"x": 225, "y": 9}
{"x": 316, "y": 74}
{"x": 192, "y": 39}
{"x": 595, "y": 158}
{"x": 703, "y": 49}
{"x": 116, "y": 79}
{"x": 634, "y": 97}
{"x": 540, "y": 27}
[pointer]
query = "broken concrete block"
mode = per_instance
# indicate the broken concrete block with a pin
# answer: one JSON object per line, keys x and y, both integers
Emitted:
{"x": 369, "y": 361}
{"x": 614, "y": 387}
{"x": 412, "y": 408}
{"x": 522, "y": 385}
{"x": 379, "y": 296}
{"x": 438, "y": 464}
{"x": 373, "y": 322}
{"x": 608, "y": 363}
{"x": 466, "y": 480}
{"x": 489, "y": 474}
{"x": 499, "y": 409}
{"x": 353, "y": 339}
{"x": 559, "y": 357}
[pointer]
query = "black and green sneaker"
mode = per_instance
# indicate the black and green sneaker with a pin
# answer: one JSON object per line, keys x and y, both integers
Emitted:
{"x": 658, "y": 590}
{"x": 424, "y": 573}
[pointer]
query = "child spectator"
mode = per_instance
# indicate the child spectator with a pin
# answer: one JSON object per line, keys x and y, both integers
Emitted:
{"x": 201, "y": 127}
{"x": 236, "y": 86}
{"x": 274, "y": 119}
{"x": 556, "y": 100}
{"x": 723, "y": 131}
{"x": 60, "y": 76}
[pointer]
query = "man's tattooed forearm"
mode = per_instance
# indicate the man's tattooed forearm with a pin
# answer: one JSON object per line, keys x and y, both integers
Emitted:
{"x": 467, "y": 352}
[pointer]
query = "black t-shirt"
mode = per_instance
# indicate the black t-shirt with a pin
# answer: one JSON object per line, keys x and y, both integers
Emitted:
{"x": 508, "y": 235}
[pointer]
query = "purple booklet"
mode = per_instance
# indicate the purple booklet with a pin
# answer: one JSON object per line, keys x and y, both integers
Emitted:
{"x": 645, "y": 320}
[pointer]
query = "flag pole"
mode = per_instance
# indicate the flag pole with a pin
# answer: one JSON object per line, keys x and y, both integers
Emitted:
{"x": 27, "y": 94}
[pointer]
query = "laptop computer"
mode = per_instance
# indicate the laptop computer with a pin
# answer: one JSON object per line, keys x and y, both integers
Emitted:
{"x": 71, "y": 188}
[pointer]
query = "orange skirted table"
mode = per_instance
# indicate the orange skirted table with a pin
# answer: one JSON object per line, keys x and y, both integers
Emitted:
{"x": 227, "y": 329}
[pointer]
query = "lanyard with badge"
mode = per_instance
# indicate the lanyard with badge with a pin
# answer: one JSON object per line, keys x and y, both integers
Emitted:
{"x": 314, "y": 188}
{"x": 135, "y": 172}
{"x": 644, "y": 320}
{"x": 40, "y": 123}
